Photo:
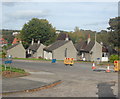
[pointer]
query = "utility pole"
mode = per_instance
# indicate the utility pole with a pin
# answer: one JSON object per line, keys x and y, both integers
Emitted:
{"x": 95, "y": 49}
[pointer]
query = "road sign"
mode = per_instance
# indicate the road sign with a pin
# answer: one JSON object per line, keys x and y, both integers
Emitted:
{"x": 8, "y": 62}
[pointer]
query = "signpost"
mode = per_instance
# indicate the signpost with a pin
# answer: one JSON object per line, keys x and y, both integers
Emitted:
{"x": 7, "y": 61}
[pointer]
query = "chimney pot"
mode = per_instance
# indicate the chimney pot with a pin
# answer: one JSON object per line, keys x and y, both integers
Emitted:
{"x": 32, "y": 41}
{"x": 66, "y": 39}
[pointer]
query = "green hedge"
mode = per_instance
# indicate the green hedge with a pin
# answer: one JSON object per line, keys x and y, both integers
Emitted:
{"x": 113, "y": 58}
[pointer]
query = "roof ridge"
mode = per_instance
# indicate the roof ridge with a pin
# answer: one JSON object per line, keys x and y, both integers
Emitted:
{"x": 56, "y": 45}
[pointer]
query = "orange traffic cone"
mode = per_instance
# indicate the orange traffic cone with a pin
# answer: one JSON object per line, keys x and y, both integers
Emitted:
{"x": 108, "y": 69}
{"x": 93, "y": 67}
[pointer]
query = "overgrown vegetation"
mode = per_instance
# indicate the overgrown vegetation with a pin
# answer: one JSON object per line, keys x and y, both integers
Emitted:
{"x": 113, "y": 58}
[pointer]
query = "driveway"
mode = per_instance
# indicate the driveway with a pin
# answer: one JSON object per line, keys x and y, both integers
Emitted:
{"x": 79, "y": 80}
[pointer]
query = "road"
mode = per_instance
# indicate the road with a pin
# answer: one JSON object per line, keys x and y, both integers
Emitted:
{"x": 78, "y": 80}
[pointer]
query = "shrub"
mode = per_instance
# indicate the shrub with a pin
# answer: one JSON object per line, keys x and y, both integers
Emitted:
{"x": 3, "y": 54}
{"x": 113, "y": 58}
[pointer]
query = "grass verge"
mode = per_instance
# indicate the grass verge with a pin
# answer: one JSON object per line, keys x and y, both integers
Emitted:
{"x": 12, "y": 69}
{"x": 10, "y": 72}
{"x": 32, "y": 59}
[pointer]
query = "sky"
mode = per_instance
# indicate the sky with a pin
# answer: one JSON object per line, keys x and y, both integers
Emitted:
{"x": 62, "y": 15}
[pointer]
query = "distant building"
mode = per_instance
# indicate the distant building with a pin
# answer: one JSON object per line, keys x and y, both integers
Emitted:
{"x": 35, "y": 50}
{"x": 15, "y": 33}
{"x": 17, "y": 51}
{"x": 60, "y": 50}
{"x": 15, "y": 41}
{"x": 3, "y": 42}
{"x": 89, "y": 50}
{"x": 57, "y": 32}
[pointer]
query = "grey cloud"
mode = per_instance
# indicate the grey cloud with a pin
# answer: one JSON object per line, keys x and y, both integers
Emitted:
{"x": 9, "y": 4}
{"x": 95, "y": 24}
{"x": 29, "y": 14}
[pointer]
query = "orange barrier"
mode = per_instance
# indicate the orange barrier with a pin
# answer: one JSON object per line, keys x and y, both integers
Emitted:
{"x": 116, "y": 65}
{"x": 69, "y": 61}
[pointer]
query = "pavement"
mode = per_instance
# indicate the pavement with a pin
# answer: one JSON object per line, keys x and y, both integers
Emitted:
{"x": 33, "y": 81}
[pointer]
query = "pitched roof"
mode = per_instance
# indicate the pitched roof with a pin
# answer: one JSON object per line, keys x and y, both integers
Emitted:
{"x": 3, "y": 41}
{"x": 12, "y": 46}
{"x": 55, "y": 45}
{"x": 34, "y": 47}
{"x": 89, "y": 46}
{"x": 83, "y": 46}
{"x": 80, "y": 45}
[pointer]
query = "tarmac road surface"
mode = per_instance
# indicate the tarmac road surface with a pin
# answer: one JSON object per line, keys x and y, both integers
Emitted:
{"x": 79, "y": 80}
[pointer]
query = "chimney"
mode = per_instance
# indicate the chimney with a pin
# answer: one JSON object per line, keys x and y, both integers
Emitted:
{"x": 89, "y": 39}
{"x": 20, "y": 42}
{"x": 66, "y": 39}
{"x": 38, "y": 41}
{"x": 101, "y": 43}
{"x": 32, "y": 41}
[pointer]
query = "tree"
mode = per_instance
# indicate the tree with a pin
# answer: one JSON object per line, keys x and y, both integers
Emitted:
{"x": 103, "y": 36}
{"x": 114, "y": 31}
{"x": 7, "y": 35}
{"x": 38, "y": 29}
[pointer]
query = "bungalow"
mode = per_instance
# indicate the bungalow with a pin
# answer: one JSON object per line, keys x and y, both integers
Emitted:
{"x": 60, "y": 50}
{"x": 17, "y": 51}
{"x": 89, "y": 50}
{"x": 35, "y": 50}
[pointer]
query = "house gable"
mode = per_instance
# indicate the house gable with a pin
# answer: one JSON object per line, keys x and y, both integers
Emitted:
{"x": 59, "y": 53}
{"x": 40, "y": 50}
{"x": 17, "y": 51}
{"x": 96, "y": 52}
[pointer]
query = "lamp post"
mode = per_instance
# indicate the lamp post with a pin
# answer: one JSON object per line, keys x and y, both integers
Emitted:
{"x": 95, "y": 49}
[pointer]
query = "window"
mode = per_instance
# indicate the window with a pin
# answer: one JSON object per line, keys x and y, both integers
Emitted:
{"x": 104, "y": 55}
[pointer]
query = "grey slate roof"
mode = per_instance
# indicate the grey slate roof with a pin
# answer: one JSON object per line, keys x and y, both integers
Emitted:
{"x": 12, "y": 46}
{"x": 34, "y": 47}
{"x": 89, "y": 46}
{"x": 55, "y": 45}
{"x": 83, "y": 46}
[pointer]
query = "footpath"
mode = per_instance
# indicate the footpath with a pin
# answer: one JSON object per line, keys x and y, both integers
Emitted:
{"x": 36, "y": 81}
